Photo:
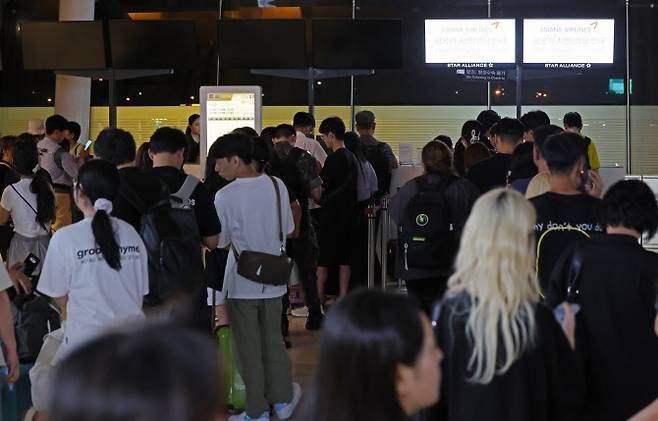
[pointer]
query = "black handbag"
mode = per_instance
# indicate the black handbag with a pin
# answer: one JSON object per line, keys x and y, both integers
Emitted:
{"x": 265, "y": 268}
{"x": 34, "y": 317}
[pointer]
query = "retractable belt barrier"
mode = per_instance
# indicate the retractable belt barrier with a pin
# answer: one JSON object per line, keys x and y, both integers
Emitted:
{"x": 384, "y": 222}
{"x": 370, "y": 215}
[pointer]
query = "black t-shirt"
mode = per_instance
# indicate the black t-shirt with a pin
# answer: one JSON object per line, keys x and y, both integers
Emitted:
{"x": 615, "y": 325}
{"x": 545, "y": 383}
{"x": 491, "y": 172}
{"x": 139, "y": 191}
{"x": 339, "y": 179}
{"x": 569, "y": 218}
{"x": 201, "y": 200}
{"x": 191, "y": 149}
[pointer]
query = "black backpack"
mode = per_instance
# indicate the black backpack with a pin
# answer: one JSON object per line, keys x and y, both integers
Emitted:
{"x": 34, "y": 317}
{"x": 427, "y": 235}
{"x": 171, "y": 235}
{"x": 377, "y": 157}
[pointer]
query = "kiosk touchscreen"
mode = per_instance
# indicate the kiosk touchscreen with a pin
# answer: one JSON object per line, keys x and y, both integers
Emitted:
{"x": 464, "y": 43}
{"x": 568, "y": 43}
{"x": 226, "y": 108}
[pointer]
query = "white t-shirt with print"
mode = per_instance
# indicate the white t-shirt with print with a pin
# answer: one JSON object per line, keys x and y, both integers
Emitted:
{"x": 247, "y": 212}
{"x": 99, "y": 297}
{"x": 24, "y": 218}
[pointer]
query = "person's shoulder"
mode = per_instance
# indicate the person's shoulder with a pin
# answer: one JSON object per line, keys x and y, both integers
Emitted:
{"x": 477, "y": 168}
{"x": 303, "y": 155}
{"x": 71, "y": 232}
{"x": 461, "y": 183}
{"x": 590, "y": 199}
{"x": 541, "y": 199}
{"x": 124, "y": 227}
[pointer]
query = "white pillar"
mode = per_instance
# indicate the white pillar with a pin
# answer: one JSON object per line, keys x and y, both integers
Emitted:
{"x": 73, "y": 94}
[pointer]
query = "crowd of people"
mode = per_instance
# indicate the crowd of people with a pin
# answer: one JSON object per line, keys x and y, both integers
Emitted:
{"x": 530, "y": 295}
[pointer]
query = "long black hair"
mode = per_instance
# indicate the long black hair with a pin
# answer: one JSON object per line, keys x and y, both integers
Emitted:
{"x": 190, "y": 120}
{"x": 128, "y": 376}
{"x": 26, "y": 159}
{"x": 100, "y": 180}
{"x": 364, "y": 339}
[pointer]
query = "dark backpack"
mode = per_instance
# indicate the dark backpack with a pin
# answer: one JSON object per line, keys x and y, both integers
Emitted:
{"x": 427, "y": 236}
{"x": 171, "y": 235}
{"x": 377, "y": 157}
{"x": 34, "y": 317}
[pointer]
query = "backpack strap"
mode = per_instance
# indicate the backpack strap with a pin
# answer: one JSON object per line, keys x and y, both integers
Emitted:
{"x": 278, "y": 211}
{"x": 31, "y": 207}
{"x": 185, "y": 192}
{"x": 57, "y": 157}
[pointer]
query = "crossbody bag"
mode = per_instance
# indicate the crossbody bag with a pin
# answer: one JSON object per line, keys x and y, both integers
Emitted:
{"x": 265, "y": 268}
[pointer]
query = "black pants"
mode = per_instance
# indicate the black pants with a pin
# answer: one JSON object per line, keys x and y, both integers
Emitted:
{"x": 305, "y": 254}
{"x": 427, "y": 291}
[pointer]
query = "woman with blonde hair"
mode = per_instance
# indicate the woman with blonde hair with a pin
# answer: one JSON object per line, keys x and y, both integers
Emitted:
{"x": 505, "y": 354}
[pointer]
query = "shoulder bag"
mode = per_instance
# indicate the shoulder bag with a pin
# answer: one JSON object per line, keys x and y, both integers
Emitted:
{"x": 265, "y": 268}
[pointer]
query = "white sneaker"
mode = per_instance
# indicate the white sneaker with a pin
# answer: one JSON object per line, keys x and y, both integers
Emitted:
{"x": 300, "y": 312}
{"x": 285, "y": 410}
{"x": 29, "y": 415}
{"x": 265, "y": 416}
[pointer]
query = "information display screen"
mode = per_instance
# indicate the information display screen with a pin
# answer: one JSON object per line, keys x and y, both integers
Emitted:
{"x": 226, "y": 108}
{"x": 470, "y": 43}
{"x": 568, "y": 43}
{"x": 226, "y": 112}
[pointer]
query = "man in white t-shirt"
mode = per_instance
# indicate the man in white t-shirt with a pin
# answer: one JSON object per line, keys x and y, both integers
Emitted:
{"x": 304, "y": 123}
{"x": 247, "y": 209}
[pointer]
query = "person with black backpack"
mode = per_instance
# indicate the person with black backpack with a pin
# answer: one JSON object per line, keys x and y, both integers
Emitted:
{"x": 299, "y": 171}
{"x": 174, "y": 225}
{"x": 139, "y": 189}
{"x": 379, "y": 154}
{"x": 431, "y": 211}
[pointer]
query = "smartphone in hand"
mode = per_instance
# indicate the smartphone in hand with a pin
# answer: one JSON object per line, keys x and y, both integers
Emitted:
{"x": 30, "y": 264}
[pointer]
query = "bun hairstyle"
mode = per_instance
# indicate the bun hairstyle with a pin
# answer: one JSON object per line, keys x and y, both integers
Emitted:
{"x": 100, "y": 183}
{"x": 26, "y": 163}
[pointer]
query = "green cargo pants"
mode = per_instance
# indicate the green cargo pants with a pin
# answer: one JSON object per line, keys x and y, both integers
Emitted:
{"x": 260, "y": 352}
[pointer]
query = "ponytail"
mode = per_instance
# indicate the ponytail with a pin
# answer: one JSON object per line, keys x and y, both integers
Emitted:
{"x": 103, "y": 231}
{"x": 100, "y": 183}
{"x": 41, "y": 185}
